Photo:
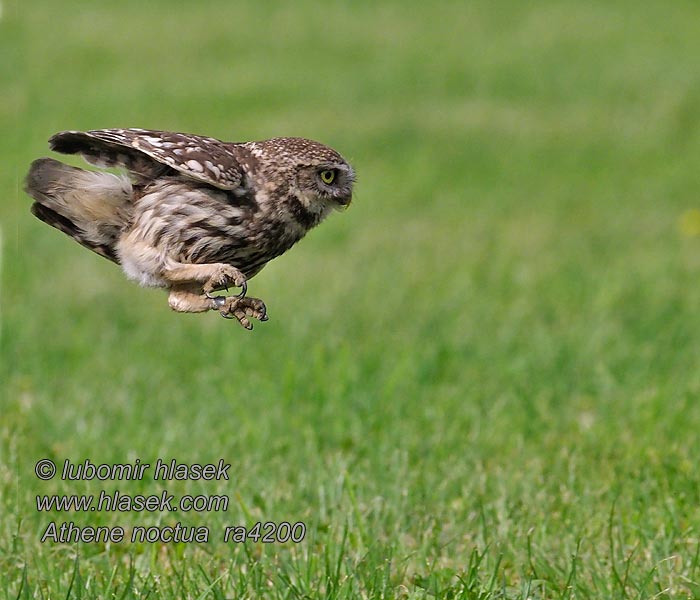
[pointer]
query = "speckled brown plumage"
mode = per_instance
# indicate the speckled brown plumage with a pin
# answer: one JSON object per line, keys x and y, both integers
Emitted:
{"x": 195, "y": 215}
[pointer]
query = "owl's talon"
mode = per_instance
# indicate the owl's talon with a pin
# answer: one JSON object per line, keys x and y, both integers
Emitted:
{"x": 244, "y": 290}
{"x": 224, "y": 276}
{"x": 241, "y": 308}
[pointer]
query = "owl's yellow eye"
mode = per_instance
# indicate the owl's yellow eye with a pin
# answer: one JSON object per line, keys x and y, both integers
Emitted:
{"x": 327, "y": 176}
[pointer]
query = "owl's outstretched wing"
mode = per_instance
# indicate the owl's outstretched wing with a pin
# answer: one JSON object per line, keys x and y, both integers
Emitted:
{"x": 202, "y": 158}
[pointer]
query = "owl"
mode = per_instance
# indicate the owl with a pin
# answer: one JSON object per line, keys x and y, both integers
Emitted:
{"x": 192, "y": 214}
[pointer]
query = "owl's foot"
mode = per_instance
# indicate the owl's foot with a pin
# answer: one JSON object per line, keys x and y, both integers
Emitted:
{"x": 235, "y": 307}
{"x": 222, "y": 277}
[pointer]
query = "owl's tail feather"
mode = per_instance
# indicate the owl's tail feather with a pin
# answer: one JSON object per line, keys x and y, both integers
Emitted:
{"x": 91, "y": 207}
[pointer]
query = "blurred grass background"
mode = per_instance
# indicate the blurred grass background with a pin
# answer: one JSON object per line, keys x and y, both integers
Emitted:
{"x": 481, "y": 381}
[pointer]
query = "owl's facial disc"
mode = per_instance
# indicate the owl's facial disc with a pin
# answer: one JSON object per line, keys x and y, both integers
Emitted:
{"x": 335, "y": 183}
{"x": 325, "y": 185}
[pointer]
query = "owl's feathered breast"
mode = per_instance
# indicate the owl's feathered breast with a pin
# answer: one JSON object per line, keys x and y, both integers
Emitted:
{"x": 197, "y": 223}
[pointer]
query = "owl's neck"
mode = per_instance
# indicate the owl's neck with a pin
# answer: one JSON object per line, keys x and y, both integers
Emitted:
{"x": 307, "y": 217}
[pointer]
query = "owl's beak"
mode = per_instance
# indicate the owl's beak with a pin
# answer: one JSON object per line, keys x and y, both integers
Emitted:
{"x": 344, "y": 203}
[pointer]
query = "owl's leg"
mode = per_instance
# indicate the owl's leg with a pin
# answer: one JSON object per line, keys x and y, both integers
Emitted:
{"x": 217, "y": 276}
{"x": 189, "y": 298}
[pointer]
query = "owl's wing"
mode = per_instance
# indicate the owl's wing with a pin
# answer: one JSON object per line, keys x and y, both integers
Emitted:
{"x": 203, "y": 158}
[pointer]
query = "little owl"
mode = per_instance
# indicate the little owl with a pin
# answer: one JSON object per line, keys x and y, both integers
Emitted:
{"x": 195, "y": 215}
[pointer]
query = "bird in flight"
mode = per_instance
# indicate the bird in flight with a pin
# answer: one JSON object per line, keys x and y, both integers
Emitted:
{"x": 194, "y": 215}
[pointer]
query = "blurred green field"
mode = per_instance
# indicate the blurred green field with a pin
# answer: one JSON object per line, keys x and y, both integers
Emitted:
{"x": 479, "y": 382}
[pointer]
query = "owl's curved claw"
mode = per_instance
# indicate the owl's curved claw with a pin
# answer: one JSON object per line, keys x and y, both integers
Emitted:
{"x": 223, "y": 275}
{"x": 244, "y": 291}
{"x": 234, "y": 307}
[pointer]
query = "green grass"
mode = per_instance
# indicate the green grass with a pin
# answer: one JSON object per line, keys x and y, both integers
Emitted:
{"x": 481, "y": 381}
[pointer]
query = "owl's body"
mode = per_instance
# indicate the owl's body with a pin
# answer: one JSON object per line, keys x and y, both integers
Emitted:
{"x": 195, "y": 214}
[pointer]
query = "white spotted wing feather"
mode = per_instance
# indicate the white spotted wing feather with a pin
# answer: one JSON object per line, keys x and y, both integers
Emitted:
{"x": 203, "y": 158}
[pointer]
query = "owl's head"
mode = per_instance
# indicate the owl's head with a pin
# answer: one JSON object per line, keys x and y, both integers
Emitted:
{"x": 321, "y": 179}
{"x": 325, "y": 185}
